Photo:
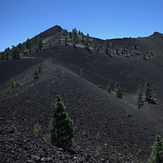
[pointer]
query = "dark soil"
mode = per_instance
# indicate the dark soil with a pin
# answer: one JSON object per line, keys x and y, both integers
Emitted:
{"x": 92, "y": 109}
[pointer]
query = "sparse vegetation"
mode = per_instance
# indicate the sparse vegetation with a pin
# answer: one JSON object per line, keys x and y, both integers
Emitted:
{"x": 8, "y": 89}
{"x": 157, "y": 151}
{"x": 143, "y": 56}
{"x": 12, "y": 83}
{"x": 36, "y": 75}
{"x": 139, "y": 151}
{"x": 122, "y": 49}
{"x": 147, "y": 90}
{"x": 116, "y": 50}
{"x": 139, "y": 98}
{"x": 128, "y": 112}
{"x": 50, "y": 60}
{"x": 37, "y": 129}
{"x": 61, "y": 127}
{"x": 9, "y": 121}
{"x": 17, "y": 83}
{"x": 100, "y": 86}
{"x": 98, "y": 136}
{"x": 108, "y": 88}
{"x": 13, "y": 128}
{"x": 39, "y": 68}
{"x": 118, "y": 90}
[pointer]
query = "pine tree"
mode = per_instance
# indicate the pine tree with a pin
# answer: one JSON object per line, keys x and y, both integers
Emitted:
{"x": 28, "y": 43}
{"x": 70, "y": 35}
{"x": 12, "y": 83}
{"x": 123, "y": 48}
{"x": 108, "y": 88}
{"x": 82, "y": 35}
{"x": 147, "y": 90}
{"x": 139, "y": 98}
{"x": 118, "y": 92}
{"x": 81, "y": 73}
{"x": 116, "y": 50}
{"x": 73, "y": 41}
{"x": 39, "y": 68}
{"x": 61, "y": 127}
{"x": 143, "y": 56}
{"x": 40, "y": 43}
{"x": 17, "y": 83}
{"x": 157, "y": 151}
{"x": 116, "y": 86}
{"x": 7, "y": 55}
{"x": 15, "y": 53}
{"x": 66, "y": 38}
{"x": 36, "y": 75}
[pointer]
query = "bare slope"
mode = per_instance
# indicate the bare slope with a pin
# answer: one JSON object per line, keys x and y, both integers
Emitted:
{"x": 92, "y": 110}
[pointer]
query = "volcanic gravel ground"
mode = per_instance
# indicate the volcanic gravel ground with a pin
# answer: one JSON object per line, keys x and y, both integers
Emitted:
{"x": 93, "y": 111}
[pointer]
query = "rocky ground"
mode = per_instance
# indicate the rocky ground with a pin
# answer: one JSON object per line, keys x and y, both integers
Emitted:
{"x": 93, "y": 111}
{"x": 104, "y": 131}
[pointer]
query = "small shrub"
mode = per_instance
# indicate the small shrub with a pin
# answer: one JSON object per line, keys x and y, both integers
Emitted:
{"x": 9, "y": 121}
{"x": 131, "y": 155}
{"x": 97, "y": 150}
{"x": 39, "y": 68}
{"x": 8, "y": 89}
{"x": 128, "y": 112}
{"x": 108, "y": 88}
{"x": 135, "y": 145}
{"x": 61, "y": 127}
{"x": 37, "y": 129}
{"x": 100, "y": 86}
{"x": 36, "y": 75}
{"x": 50, "y": 60}
{"x": 13, "y": 128}
{"x": 98, "y": 135}
{"x": 49, "y": 44}
{"x": 17, "y": 83}
{"x": 139, "y": 151}
{"x": 75, "y": 128}
{"x": 12, "y": 83}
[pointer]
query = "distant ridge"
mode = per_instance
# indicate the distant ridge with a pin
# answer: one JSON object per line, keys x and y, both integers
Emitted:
{"x": 157, "y": 34}
{"x": 51, "y": 31}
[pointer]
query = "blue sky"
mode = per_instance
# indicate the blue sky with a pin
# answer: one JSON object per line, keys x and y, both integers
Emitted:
{"x": 20, "y": 19}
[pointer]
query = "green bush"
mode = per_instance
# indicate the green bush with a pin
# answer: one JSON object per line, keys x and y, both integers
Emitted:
{"x": 50, "y": 60}
{"x": 17, "y": 83}
{"x": 108, "y": 88}
{"x": 100, "y": 86}
{"x": 8, "y": 89}
{"x": 157, "y": 151}
{"x": 128, "y": 112}
{"x": 36, "y": 75}
{"x": 139, "y": 98}
{"x": 13, "y": 128}
{"x": 12, "y": 83}
{"x": 98, "y": 135}
{"x": 39, "y": 68}
{"x": 118, "y": 92}
{"x": 61, "y": 127}
{"x": 37, "y": 129}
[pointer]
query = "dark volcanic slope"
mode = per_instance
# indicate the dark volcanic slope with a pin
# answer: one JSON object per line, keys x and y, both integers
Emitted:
{"x": 12, "y": 68}
{"x": 92, "y": 109}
